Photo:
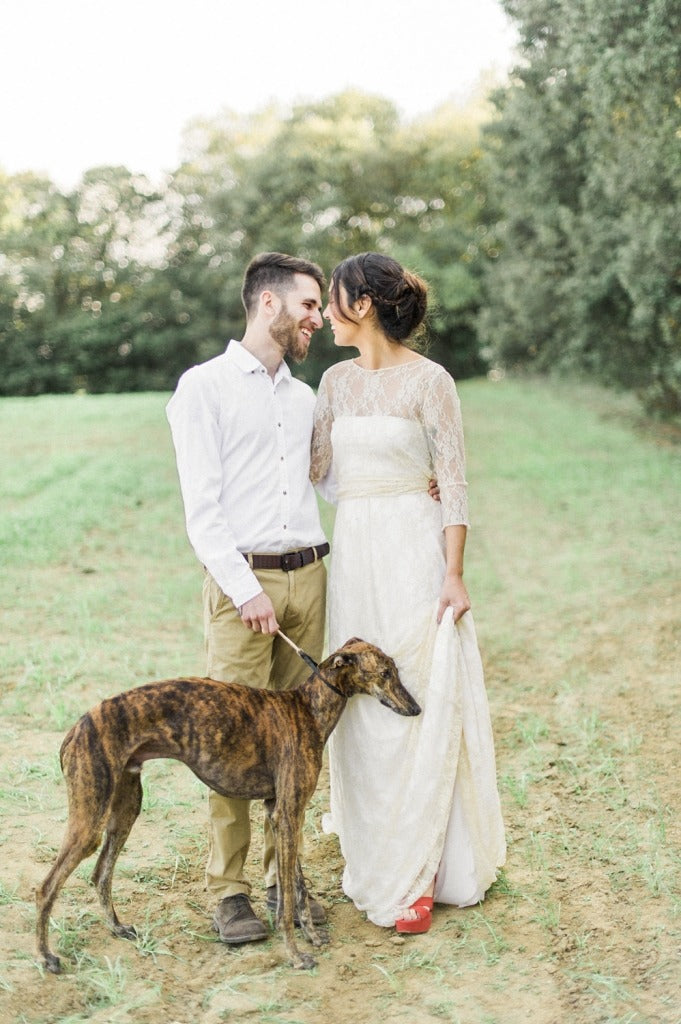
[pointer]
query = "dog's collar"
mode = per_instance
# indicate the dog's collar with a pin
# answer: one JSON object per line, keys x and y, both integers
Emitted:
{"x": 311, "y": 663}
{"x": 327, "y": 683}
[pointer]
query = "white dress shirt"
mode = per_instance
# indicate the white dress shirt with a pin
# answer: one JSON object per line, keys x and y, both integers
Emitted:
{"x": 242, "y": 444}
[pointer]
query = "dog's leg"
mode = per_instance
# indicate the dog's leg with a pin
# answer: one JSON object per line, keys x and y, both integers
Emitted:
{"x": 125, "y": 808}
{"x": 302, "y": 905}
{"x": 286, "y": 822}
{"x": 80, "y": 841}
{"x": 312, "y": 932}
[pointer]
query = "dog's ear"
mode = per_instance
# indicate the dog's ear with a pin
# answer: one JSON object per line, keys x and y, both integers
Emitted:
{"x": 353, "y": 640}
{"x": 343, "y": 659}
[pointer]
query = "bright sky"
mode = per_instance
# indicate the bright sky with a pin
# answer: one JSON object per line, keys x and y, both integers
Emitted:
{"x": 84, "y": 82}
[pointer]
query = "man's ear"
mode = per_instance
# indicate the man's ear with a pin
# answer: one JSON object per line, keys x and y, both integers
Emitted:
{"x": 270, "y": 303}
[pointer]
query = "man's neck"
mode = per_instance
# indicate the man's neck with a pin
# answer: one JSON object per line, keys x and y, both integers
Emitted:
{"x": 264, "y": 348}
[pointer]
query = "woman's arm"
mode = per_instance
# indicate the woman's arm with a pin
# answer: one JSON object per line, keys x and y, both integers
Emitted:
{"x": 453, "y": 593}
{"x": 321, "y": 453}
{"x": 441, "y": 418}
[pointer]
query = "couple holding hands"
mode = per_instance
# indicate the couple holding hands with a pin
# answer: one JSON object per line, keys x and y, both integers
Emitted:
{"x": 414, "y": 801}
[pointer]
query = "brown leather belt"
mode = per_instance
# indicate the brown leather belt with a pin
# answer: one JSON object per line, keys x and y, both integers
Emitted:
{"x": 289, "y": 561}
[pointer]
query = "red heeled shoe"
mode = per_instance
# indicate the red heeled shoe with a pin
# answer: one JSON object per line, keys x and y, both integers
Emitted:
{"x": 423, "y": 920}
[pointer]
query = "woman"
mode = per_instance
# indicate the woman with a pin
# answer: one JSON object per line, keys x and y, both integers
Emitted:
{"x": 414, "y": 801}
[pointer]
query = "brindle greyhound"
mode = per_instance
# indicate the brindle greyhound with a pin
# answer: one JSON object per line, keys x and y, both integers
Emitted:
{"x": 241, "y": 742}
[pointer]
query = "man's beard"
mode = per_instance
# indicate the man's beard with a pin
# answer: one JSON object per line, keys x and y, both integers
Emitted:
{"x": 285, "y": 331}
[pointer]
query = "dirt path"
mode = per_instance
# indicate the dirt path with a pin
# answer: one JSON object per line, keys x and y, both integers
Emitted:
{"x": 583, "y": 926}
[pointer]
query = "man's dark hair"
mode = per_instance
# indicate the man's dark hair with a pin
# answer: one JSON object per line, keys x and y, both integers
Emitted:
{"x": 275, "y": 271}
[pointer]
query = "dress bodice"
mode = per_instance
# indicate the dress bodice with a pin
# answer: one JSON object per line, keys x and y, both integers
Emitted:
{"x": 391, "y": 430}
{"x": 379, "y": 455}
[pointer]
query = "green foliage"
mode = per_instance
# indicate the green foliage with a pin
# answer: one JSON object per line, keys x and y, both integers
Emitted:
{"x": 552, "y": 243}
{"x": 83, "y": 302}
{"x": 120, "y": 287}
{"x": 585, "y": 165}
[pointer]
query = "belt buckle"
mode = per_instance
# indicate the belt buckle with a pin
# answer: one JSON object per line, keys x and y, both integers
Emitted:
{"x": 292, "y": 560}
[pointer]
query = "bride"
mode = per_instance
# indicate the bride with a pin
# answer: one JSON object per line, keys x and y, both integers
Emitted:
{"x": 414, "y": 801}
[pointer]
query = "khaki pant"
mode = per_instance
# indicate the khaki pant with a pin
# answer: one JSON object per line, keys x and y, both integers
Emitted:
{"x": 235, "y": 653}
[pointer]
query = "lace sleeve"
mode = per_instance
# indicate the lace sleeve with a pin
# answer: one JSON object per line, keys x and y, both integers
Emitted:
{"x": 320, "y": 458}
{"x": 444, "y": 429}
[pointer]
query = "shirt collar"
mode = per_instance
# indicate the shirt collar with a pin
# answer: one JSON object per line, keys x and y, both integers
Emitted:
{"x": 247, "y": 362}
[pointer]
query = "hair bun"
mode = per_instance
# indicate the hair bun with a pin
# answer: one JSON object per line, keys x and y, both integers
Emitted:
{"x": 410, "y": 305}
{"x": 400, "y": 297}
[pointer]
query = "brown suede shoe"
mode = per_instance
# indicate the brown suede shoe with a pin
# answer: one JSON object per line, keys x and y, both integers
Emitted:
{"x": 316, "y": 909}
{"x": 235, "y": 921}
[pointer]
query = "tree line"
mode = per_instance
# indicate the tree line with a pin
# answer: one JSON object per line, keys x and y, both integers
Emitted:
{"x": 546, "y": 222}
{"x": 585, "y": 172}
{"x": 120, "y": 285}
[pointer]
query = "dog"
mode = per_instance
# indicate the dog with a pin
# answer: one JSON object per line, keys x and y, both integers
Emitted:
{"x": 241, "y": 742}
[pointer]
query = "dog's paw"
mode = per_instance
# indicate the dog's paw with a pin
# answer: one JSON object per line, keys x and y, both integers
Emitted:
{"x": 52, "y": 963}
{"x": 304, "y": 962}
{"x": 320, "y": 937}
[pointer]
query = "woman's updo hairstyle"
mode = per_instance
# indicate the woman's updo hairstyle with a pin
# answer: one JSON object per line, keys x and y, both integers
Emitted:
{"x": 400, "y": 298}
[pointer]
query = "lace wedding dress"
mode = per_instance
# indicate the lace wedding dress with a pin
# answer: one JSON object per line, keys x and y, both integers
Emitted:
{"x": 410, "y": 797}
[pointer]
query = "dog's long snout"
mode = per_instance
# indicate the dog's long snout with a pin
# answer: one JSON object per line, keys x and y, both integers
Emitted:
{"x": 394, "y": 695}
{"x": 401, "y": 701}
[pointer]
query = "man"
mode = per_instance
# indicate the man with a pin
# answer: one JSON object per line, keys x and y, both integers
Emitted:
{"x": 241, "y": 426}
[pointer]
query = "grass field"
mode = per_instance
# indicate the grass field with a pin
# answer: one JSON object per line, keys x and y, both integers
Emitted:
{"x": 573, "y": 564}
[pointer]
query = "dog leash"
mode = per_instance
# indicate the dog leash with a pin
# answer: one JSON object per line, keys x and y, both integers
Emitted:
{"x": 310, "y": 662}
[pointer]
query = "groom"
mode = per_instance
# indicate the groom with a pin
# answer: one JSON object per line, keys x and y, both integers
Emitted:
{"x": 241, "y": 426}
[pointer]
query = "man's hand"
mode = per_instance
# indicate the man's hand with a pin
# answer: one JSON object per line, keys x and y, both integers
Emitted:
{"x": 433, "y": 490}
{"x": 258, "y": 614}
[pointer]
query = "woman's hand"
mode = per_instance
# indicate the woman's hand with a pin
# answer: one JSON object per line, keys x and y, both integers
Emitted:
{"x": 453, "y": 595}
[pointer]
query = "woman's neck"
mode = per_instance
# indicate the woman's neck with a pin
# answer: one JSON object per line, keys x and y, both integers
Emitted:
{"x": 378, "y": 352}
